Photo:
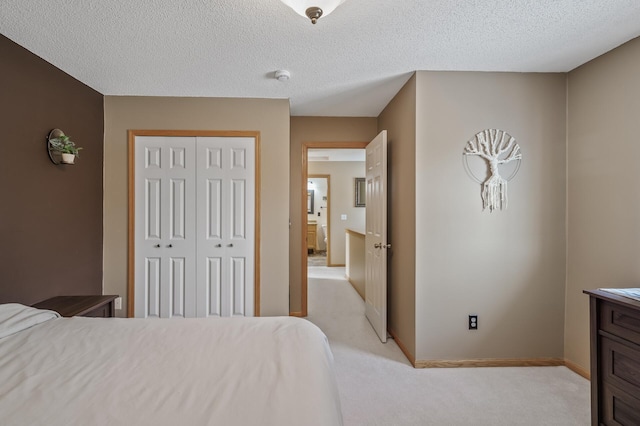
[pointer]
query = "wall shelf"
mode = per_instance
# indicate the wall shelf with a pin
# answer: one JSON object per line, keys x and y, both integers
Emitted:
{"x": 55, "y": 156}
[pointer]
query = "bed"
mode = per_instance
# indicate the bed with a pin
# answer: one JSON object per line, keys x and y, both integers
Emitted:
{"x": 117, "y": 371}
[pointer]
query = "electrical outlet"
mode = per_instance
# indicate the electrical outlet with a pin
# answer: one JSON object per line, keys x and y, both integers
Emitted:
{"x": 473, "y": 322}
{"x": 118, "y": 303}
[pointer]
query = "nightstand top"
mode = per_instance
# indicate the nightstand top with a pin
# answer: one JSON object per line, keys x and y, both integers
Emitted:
{"x": 69, "y": 306}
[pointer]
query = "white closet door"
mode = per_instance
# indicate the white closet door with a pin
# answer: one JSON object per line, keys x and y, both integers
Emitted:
{"x": 165, "y": 240}
{"x": 226, "y": 226}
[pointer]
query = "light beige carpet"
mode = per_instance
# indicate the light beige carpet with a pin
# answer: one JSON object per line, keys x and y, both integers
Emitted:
{"x": 378, "y": 386}
{"x": 317, "y": 259}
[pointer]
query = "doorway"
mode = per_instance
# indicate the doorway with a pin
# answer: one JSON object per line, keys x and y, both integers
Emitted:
{"x": 318, "y": 220}
{"x": 306, "y": 148}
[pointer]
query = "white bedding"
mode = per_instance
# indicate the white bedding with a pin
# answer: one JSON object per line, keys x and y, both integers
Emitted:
{"x": 15, "y": 317}
{"x": 223, "y": 371}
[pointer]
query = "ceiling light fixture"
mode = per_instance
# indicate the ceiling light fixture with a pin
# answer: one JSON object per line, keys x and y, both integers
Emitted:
{"x": 313, "y": 9}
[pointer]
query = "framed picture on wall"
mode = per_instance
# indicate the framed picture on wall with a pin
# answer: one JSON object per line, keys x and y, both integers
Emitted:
{"x": 360, "y": 192}
{"x": 309, "y": 201}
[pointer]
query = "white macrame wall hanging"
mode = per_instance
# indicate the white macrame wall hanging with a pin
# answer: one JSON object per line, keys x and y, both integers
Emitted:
{"x": 498, "y": 148}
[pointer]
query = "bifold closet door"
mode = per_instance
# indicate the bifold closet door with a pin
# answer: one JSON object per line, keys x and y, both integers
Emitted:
{"x": 194, "y": 226}
{"x": 165, "y": 224}
{"x": 226, "y": 226}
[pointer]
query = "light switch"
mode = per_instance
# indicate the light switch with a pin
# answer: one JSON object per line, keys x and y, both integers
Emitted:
{"x": 343, "y": 217}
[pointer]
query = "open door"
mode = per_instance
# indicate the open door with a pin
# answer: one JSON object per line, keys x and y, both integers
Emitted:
{"x": 376, "y": 235}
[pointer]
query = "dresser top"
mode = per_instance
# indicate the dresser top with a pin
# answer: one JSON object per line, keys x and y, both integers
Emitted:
{"x": 612, "y": 297}
{"x": 74, "y": 305}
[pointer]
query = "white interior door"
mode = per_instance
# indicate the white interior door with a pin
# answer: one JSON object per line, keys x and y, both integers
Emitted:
{"x": 194, "y": 226}
{"x": 376, "y": 244}
{"x": 226, "y": 226}
{"x": 165, "y": 227}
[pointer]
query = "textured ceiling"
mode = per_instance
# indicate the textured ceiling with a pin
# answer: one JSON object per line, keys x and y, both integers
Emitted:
{"x": 350, "y": 63}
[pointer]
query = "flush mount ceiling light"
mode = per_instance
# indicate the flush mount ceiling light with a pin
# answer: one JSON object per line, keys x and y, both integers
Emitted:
{"x": 313, "y": 9}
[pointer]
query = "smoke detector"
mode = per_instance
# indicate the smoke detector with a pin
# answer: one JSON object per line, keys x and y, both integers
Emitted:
{"x": 282, "y": 75}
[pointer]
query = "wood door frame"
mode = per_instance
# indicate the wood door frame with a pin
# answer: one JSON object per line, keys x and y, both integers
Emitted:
{"x": 328, "y": 178}
{"x": 131, "y": 136}
{"x": 306, "y": 146}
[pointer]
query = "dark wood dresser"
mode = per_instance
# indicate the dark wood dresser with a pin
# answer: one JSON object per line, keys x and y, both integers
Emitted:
{"x": 83, "y": 306}
{"x": 615, "y": 359}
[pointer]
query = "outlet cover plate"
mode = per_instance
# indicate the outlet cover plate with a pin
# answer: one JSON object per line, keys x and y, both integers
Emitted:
{"x": 473, "y": 322}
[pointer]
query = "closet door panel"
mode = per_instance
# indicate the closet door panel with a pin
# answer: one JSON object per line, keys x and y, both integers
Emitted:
{"x": 213, "y": 287}
{"x": 238, "y": 224}
{"x": 177, "y": 201}
{"x": 238, "y": 283}
{"x": 164, "y": 227}
{"x": 151, "y": 299}
{"x": 177, "y": 282}
{"x": 152, "y": 209}
{"x": 226, "y": 198}
{"x": 213, "y": 209}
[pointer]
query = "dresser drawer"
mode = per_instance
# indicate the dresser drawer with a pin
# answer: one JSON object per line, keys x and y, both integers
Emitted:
{"x": 104, "y": 311}
{"x": 615, "y": 359}
{"x": 620, "y": 321}
{"x": 621, "y": 366}
{"x": 619, "y": 408}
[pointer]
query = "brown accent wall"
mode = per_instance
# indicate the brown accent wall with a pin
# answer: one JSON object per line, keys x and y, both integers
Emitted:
{"x": 314, "y": 129}
{"x": 50, "y": 216}
{"x": 399, "y": 120}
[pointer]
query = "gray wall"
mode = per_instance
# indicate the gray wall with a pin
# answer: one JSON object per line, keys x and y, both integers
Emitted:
{"x": 268, "y": 116}
{"x": 399, "y": 119}
{"x": 603, "y": 186}
{"x": 507, "y": 266}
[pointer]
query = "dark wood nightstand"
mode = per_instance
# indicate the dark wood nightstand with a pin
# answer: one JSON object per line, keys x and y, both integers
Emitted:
{"x": 84, "y": 306}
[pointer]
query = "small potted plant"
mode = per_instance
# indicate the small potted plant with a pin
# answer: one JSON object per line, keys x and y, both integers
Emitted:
{"x": 66, "y": 147}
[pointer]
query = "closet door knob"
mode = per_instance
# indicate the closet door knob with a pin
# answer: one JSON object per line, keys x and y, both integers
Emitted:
{"x": 218, "y": 245}
{"x": 157, "y": 246}
{"x": 170, "y": 245}
{"x": 377, "y": 245}
{"x": 229, "y": 245}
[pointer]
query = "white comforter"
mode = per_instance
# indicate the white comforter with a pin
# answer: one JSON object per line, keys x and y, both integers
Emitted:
{"x": 229, "y": 371}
